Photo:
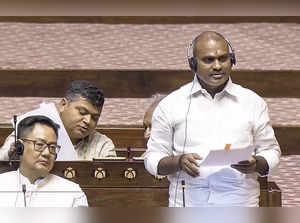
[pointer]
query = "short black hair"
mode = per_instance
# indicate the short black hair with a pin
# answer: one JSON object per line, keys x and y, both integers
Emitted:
{"x": 84, "y": 89}
{"x": 27, "y": 124}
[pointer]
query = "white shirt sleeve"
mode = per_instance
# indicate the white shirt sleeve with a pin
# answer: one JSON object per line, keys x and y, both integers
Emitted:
{"x": 264, "y": 139}
{"x": 160, "y": 142}
{"x": 80, "y": 200}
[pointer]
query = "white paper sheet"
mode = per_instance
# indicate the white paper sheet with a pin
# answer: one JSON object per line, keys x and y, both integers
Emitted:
{"x": 227, "y": 157}
{"x": 219, "y": 160}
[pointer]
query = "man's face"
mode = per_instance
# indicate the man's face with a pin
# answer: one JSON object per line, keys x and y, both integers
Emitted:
{"x": 213, "y": 62}
{"x": 80, "y": 117}
{"x": 36, "y": 163}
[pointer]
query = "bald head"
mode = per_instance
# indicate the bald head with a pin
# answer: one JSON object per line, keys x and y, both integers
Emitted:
{"x": 205, "y": 39}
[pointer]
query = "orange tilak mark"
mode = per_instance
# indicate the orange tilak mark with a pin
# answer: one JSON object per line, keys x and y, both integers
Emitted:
{"x": 227, "y": 146}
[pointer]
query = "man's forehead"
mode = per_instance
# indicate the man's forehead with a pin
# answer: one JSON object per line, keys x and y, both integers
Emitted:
{"x": 85, "y": 103}
{"x": 80, "y": 99}
{"x": 41, "y": 131}
{"x": 212, "y": 46}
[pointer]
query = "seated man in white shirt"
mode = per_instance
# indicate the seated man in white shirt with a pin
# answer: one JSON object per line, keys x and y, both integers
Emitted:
{"x": 32, "y": 185}
{"x": 211, "y": 113}
{"x": 78, "y": 114}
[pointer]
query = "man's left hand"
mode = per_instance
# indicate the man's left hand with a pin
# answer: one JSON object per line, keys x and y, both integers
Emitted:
{"x": 246, "y": 166}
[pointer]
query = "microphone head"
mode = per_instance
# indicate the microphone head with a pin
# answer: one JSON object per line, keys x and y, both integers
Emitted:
{"x": 24, "y": 188}
{"x": 183, "y": 182}
{"x": 15, "y": 119}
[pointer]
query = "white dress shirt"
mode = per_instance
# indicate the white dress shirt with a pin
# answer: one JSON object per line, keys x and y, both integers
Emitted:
{"x": 51, "y": 191}
{"x": 189, "y": 120}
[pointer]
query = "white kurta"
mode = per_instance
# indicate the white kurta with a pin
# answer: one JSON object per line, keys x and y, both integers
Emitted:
{"x": 52, "y": 191}
{"x": 235, "y": 116}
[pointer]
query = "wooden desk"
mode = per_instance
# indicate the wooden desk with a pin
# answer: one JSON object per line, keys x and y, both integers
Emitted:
{"x": 128, "y": 184}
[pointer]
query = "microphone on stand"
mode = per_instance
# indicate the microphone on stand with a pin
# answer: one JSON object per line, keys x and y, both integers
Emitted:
{"x": 24, "y": 192}
{"x": 15, "y": 130}
{"x": 15, "y": 127}
{"x": 183, "y": 197}
{"x": 129, "y": 156}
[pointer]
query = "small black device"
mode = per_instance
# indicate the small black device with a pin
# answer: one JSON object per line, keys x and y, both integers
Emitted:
{"x": 19, "y": 147}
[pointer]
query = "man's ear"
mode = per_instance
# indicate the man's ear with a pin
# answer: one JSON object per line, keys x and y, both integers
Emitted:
{"x": 62, "y": 104}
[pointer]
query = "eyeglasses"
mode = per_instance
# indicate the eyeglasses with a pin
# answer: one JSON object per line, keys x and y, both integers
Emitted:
{"x": 40, "y": 145}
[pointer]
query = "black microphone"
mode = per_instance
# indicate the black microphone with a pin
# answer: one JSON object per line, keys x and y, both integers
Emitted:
{"x": 15, "y": 125}
{"x": 183, "y": 197}
{"x": 24, "y": 192}
{"x": 15, "y": 130}
{"x": 129, "y": 153}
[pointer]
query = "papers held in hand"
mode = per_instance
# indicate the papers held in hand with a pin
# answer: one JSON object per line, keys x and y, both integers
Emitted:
{"x": 227, "y": 157}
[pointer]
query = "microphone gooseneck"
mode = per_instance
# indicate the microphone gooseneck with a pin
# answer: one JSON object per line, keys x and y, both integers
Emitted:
{"x": 24, "y": 194}
{"x": 183, "y": 188}
{"x": 15, "y": 130}
{"x": 15, "y": 127}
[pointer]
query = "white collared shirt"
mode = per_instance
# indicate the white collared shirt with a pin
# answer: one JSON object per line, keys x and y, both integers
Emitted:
{"x": 189, "y": 120}
{"x": 52, "y": 191}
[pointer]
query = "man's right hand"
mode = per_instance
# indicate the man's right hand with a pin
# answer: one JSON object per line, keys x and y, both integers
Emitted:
{"x": 186, "y": 162}
{"x": 189, "y": 164}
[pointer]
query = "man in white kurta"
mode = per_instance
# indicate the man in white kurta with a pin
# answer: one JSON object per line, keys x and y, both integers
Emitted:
{"x": 205, "y": 115}
{"x": 32, "y": 185}
{"x": 52, "y": 191}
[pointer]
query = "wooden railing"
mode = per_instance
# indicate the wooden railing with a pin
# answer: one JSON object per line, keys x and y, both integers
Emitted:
{"x": 126, "y": 183}
{"x": 288, "y": 137}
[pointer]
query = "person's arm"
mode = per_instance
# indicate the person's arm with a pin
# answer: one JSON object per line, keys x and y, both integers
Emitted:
{"x": 108, "y": 149}
{"x": 80, "y": 200}
{"x": 186, "y": 162}
{"x": 160, "y": 143}
{"x": 267, "y": 151}
{"x": 262, "y": 166}
{"x": 159, "y": 156}
{"x": 267, "y": 148}
{"x": 7, "y": 147}
{"x": 103, "y": 146}
{"x": 254, "y": 164}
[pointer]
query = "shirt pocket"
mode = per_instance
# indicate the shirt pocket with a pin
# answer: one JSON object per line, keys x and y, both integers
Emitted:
{"x": 238, "y": 134}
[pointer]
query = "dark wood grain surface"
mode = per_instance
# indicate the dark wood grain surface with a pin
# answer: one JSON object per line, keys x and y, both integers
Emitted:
{"x": 288, "y": 138}
{"x": 138, "y": 83}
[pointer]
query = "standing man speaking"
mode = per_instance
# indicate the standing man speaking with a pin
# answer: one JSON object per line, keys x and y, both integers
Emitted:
{"x": 207, "y": 114}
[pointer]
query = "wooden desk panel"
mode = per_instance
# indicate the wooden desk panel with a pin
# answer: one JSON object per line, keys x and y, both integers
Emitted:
{"x": 127, "y": 197}
{"x": 115, "y": 174}
{"x": 143, "y": 190}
